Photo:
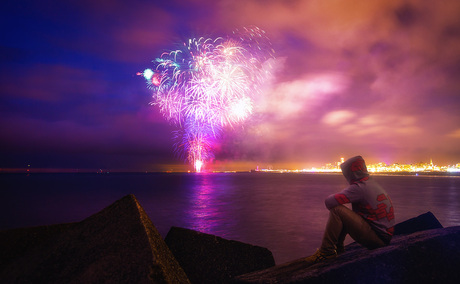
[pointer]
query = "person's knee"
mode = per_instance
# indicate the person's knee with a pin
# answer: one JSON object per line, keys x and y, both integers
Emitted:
{"x": 345, "y": 214}
{"x": 338, "y": 209}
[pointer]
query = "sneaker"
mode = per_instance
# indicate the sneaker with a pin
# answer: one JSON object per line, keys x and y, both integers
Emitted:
{"x": 320, "y": 257}
{"x": 340, "y": 249}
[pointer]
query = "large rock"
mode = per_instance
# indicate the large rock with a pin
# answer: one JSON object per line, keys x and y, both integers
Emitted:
{"x": 422, "y": 222}
{"x": 426, "y": 256}
{"x": 117, "y": 245}
{"x": 210, "y": 259}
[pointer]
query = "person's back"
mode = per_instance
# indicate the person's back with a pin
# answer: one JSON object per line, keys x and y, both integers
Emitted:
{"x": 377, "y": 209}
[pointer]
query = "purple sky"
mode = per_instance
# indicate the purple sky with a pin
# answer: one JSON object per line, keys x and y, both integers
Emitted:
{"x": 375, "y": 78}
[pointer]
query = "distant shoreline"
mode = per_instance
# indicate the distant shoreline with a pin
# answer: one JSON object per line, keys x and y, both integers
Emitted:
{"x": 376, "y": 173}
{"x": 98, "y": 172}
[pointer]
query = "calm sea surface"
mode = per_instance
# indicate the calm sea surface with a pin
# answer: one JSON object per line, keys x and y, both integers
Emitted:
{"x": 282, "y": 212}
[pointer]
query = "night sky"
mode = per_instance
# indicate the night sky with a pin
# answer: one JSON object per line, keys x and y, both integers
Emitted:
{"x": 375, "y": 78}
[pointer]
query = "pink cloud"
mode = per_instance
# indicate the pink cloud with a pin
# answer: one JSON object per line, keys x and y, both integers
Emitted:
{"x": 291, "y": 99}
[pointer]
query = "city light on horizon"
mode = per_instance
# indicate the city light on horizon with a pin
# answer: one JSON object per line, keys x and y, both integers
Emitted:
{"x": 333, "y": 167}
{"x": 380, "y": 167}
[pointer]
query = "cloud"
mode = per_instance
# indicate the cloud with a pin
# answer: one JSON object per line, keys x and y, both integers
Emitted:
{"x": 372, "y": 125}
{"x": 338, "y": 117}
{"x": 51, "y": 82}
{"x": 129, "y": 133}
{"x": 291, "y": 99}
{"x": 454, "y": 134}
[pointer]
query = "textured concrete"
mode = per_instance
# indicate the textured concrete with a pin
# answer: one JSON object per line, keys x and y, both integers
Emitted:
{"x": 121, "y": 245}
{"x": 422, "y": 222}
{"x": 211, "y": 259}
{"x": 426, "y": 256}
{"x": 117, "y": 245}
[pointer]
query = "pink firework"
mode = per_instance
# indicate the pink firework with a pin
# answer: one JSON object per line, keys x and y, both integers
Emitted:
{"x": 208, "y": 86}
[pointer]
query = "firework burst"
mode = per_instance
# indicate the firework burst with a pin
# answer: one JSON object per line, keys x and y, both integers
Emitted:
{"x": 208, "y": 85}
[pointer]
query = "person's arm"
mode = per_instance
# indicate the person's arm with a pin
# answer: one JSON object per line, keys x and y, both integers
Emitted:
{"x": 336, "y": 199}
{"x": 348, "y": 195}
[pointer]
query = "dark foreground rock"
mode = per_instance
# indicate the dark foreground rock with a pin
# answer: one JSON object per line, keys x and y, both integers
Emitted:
{"x": 426, "y": 221}
{"x": 431, "y": 256}
{"x": 210, "y": 259}
{"x": 117, "y": 245}
{"x": 121, "y": 245}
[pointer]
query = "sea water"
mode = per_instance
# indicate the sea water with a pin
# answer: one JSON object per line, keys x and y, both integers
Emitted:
{"x": 283, "y": 212}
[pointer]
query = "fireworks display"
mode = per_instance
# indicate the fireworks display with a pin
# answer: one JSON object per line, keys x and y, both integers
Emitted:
{"x": 209, "y": 85}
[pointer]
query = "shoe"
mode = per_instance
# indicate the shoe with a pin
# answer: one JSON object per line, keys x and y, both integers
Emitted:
{"x": 340, "y": 249}
{"x": 320, "y": 257}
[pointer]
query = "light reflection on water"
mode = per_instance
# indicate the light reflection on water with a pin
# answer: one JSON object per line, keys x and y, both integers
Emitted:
{"x": 207, "y": 205}
{"x": 282, "y": 212}
{"x": 452, "y": 210}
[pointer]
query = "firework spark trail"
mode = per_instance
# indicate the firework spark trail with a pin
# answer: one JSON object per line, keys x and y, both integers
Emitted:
{"x": 207, "y": 85}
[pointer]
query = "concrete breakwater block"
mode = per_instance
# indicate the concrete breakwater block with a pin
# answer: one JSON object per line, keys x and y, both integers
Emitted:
{"x": 207, "y": 258}
{"x": 423, "y": 256}
{"x": 117, "y": 245}
{"x": 426, "y": 221}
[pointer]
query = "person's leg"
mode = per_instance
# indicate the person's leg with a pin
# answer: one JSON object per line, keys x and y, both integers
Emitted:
{"x": 340, "y": 248}
{"x": 333, "y": 233}
{"x": 344, "y": 221}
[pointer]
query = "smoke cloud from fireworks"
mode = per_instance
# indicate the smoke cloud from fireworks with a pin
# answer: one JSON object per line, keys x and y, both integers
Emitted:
{"x": 208, "y": 86}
